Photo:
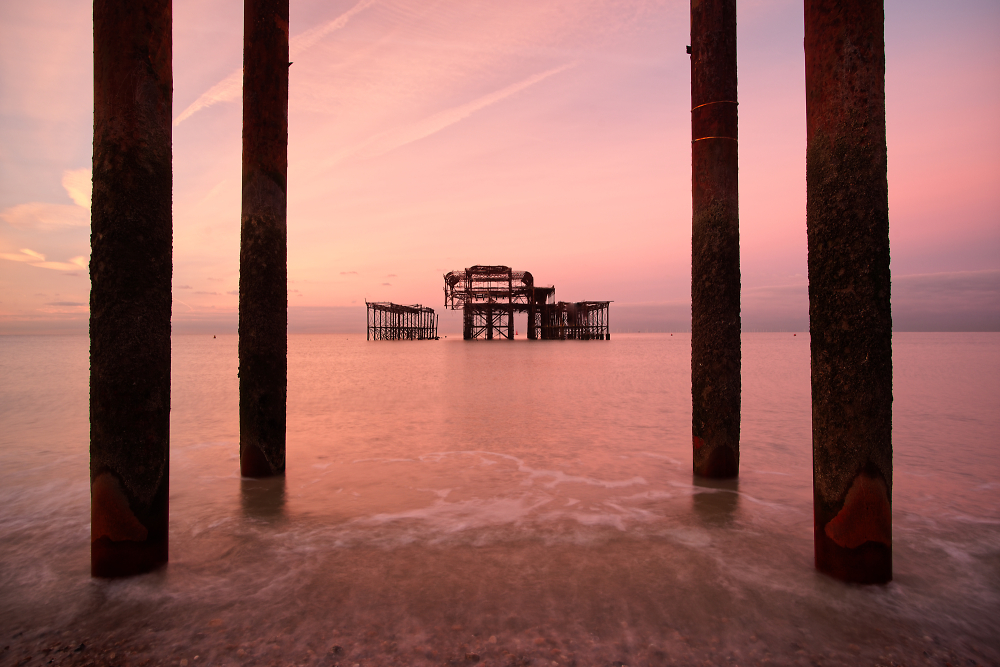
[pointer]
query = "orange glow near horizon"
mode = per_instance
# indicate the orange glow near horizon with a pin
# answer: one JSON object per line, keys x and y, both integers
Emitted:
{"x": 552, "y": 137}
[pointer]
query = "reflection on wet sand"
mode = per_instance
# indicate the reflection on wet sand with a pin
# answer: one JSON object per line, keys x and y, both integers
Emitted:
{"x": 512, "y": 503}
{"x": 715, "y": 501}
{"x": 263, "y": 498}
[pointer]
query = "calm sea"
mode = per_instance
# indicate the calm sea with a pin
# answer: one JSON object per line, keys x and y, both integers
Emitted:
{"x": 526, "y": 502}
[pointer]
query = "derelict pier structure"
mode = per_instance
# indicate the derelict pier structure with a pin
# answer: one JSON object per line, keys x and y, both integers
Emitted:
{"x": 490, "y": 295}
{"x": 391, "y": 321}
{"x": 847, "y": 225}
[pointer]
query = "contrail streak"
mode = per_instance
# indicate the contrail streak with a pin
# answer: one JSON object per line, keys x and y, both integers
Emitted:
{"x": 230, "y": 88}
{"x": 301, "y": 42}
{"x": 393, "y": 139}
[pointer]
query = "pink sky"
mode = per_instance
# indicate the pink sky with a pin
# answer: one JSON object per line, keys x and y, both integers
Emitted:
{"x": 554, "y": 137}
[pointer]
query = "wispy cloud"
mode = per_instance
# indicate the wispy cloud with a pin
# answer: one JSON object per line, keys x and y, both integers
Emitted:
{"x": 78, "y": 184}
{"x": 34, "y": 258}
{"x": 953, "y": 301}
{"x": 47, "y": 217}
{"x": 923, "y": 285}
{"x": 395, "y": 138}
{"x": 231, "y": 88}
{"x": 39, "y": 215}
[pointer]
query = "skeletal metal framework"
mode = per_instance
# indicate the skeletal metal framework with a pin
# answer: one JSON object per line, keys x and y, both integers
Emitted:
{"x": 580, "y": 320}
{"x": 391, "y": 321}
{"x": 490, "y": 295}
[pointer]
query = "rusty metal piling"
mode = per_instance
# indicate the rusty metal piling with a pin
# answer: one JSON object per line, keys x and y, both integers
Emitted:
{"x": 850, "y": 320}
{"x": 263, "y": 342}
{"x": 715, "y": 241}
{"x": 130, "y": 299}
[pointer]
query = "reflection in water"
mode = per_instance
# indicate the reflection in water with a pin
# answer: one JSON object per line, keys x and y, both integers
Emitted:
{"x": 263, "y": 498}
{"x": 523, "y": 503}
{"x": 715, "y": 500}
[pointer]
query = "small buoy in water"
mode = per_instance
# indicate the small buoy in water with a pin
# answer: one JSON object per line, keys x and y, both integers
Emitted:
{"x": 213, "y": 335}
{"x": 795, "y": 334}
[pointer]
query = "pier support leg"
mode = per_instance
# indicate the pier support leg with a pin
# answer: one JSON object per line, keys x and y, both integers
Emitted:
{"x": 715, "y": 241}
{"x": 130, "y": 273}
{"x": 850, "y": 322}
{"x": 532, "y": 333}
{"x": 263, "y": 329}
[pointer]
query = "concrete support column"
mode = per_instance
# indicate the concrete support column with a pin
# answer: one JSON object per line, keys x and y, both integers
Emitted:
{"x": 715, "y": 241}
{"x": 850, "y": 322}
{"x": 130, "y": 273}
{"x": 263, "y": 345}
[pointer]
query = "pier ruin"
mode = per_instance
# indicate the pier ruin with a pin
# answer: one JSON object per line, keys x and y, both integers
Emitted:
{"x": 391, "y": 321}
{"x": 849, "y": 275}
{"x": 488, "y": 297}
{"x": 263, "y": 324}
{"x": 715, "y": 242}
{"x": 850, "y": 309}
{"x": 131, "y": 268}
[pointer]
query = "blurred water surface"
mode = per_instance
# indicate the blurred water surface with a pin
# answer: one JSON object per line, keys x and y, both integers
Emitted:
{"x": 523, "y": 502}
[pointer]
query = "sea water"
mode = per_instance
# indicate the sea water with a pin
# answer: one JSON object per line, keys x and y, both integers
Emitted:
{"x": 511, "y": 503}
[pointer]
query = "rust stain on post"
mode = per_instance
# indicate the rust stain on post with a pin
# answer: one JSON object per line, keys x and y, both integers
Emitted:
{"x": 715, "y": 241}
{"x": 850, "y": 320}
{"x": 130, "y": 299}
{"x": 263, "y": 343}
